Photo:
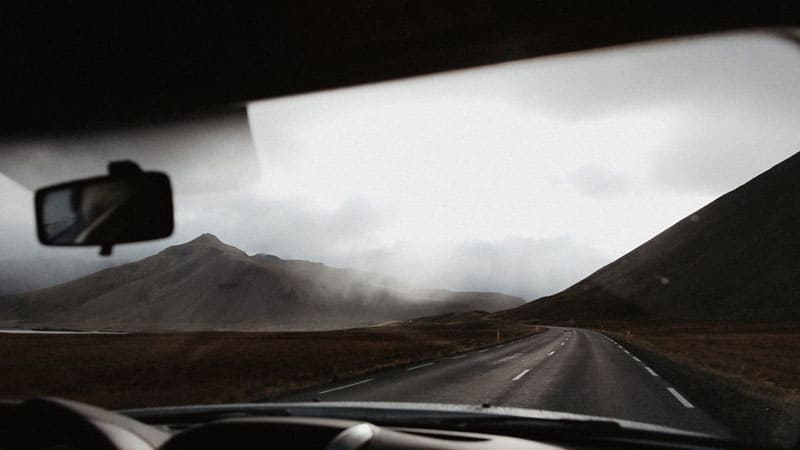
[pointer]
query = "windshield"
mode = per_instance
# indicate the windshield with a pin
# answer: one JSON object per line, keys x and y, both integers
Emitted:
{"x": 611, "y": 233}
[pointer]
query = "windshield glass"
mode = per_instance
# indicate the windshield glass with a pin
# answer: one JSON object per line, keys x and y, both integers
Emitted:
{"x": 611, "y": 233}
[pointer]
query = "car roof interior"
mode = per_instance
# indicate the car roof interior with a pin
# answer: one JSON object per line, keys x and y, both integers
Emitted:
{"x": 70, "y": 67}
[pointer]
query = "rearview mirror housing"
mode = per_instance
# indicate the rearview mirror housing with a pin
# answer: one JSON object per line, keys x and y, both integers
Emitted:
{"x": 129, "y": 205}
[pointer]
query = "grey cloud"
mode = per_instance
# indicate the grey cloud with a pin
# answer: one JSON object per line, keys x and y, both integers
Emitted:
{"x": 720, "y": 71}
{"x": 715, "y": 156}
{"x": 287, "y": 228}
{"x": 733, "y": 102}
{"x": 530, "y": 268}
{"x": 596, "y": 180}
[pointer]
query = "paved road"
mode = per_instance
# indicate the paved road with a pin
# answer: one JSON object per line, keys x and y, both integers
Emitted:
{"x": 573, "y": 370}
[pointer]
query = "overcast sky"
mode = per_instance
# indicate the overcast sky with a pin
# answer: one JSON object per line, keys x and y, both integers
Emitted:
{"x": 521, "y": 178}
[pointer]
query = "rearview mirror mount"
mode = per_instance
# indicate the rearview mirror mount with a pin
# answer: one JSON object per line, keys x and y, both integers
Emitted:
{"x": 128, "y": 205}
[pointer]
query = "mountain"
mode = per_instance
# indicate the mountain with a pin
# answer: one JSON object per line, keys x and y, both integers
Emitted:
{"x": 738, "y": 258}
{"x": 207, "y": 284}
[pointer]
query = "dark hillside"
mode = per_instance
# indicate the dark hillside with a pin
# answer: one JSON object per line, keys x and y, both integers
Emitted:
{"x": 738, "y": 258}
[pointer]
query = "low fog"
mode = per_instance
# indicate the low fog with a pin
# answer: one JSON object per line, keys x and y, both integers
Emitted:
{"x": 520, "y": 178}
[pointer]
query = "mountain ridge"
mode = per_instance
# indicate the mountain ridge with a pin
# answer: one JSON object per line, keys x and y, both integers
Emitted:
{"x": 208, "y": 284}
{"x": 733, "y": 259}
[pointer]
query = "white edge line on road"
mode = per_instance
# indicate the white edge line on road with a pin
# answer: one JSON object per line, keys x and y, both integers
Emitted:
{"x": 481, "y": 351}
{"x": 680, "y": 398}
{"x": 458, "y": 356}
{"x": 551, "y": 353}
{"x": 522, "y": 374}
{"x": 345, "y": 386}
{"x": 652, "y": 372}
{"x": 419, "y": 366}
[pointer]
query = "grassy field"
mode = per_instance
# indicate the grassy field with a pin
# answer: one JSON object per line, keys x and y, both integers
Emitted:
{"x": 763, "y": 358}
{"x": 120, "y": 371}
{"x": 745, "y": 375}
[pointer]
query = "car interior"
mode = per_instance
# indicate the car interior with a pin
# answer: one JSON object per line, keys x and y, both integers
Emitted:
{"x": 164, "y": 76}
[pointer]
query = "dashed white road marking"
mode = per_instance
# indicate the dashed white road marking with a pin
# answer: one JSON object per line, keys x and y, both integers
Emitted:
{"x": 458, "y": 356}
{"x": 680, "y": 398}
{"x": 481, "y": 351}
{"x": 522, "y": 374}
{"x": 652, "y": 372}
{"x": 419, "y": 366}
{"x": 636, "y": 359}
{"x": 502, "y": 360}
{"x": 345, "y": 386}
{"x": 551, "y": 353}
{"x": 562, "y": 344}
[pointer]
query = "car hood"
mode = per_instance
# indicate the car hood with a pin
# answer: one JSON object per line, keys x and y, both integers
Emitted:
{"x": 398, "y": 413}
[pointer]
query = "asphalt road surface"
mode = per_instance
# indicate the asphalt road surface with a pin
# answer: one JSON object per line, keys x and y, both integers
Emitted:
{"x": 563, "y": 369}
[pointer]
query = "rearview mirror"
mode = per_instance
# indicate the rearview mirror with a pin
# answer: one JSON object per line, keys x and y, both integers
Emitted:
{"x": 127, "y": 206}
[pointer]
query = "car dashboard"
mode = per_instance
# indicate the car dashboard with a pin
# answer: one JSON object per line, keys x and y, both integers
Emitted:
{"x": 51, "y": 423}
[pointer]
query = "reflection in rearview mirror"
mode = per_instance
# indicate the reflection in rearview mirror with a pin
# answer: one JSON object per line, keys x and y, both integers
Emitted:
{"x": 105, "y": 210}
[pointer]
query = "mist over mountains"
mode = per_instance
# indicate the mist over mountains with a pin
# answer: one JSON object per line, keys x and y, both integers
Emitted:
{"x": 206, "y": 284}
{"x": 734, "y": 259}
{"x": 19, "y": 275}
{"x": 738, "y": 258}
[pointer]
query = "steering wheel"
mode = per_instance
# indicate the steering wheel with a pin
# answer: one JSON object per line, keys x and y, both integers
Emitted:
{"x": 53, "y": 423}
